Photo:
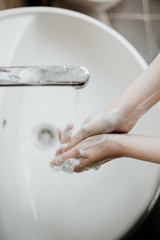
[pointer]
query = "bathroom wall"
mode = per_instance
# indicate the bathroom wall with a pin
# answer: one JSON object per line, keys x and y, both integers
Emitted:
{"x": 6, "y": 4}
{"x": 139, "y": 22}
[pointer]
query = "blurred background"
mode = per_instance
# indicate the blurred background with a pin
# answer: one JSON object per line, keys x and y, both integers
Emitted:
{"x": 139, "y": 22}
{"x": 136, "y": 20}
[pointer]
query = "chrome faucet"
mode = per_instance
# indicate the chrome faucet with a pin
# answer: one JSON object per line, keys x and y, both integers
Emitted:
{"x": 75, "y": 76}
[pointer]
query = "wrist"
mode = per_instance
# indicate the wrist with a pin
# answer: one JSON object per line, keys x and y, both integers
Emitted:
{"x": 139, "y": 147}
{"x": 123, "y": 142}
{"x": 119, "y": 141}
{"x": 124, "y": 114}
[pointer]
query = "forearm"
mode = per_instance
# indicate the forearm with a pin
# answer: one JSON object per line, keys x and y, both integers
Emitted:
{"x": 123, "y": 114}
{"x": 142, "y": 94}
{"x": 139, "y": 147}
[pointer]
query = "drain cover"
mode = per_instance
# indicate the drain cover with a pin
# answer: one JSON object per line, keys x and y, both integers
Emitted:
{"x": 45, "y": 136}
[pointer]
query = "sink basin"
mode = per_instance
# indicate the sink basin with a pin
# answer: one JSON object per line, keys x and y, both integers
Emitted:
{"x": 36, "y": 202}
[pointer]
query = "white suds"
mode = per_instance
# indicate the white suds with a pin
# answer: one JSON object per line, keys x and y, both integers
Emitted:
{"x": 94, "y": 119}
{"x": 103, "y": 138}
{"x": 100, "y": 139}
{"x": 81, "y": 152}
{"x": 68, "y": 166}
{"x": 62, "y": 147}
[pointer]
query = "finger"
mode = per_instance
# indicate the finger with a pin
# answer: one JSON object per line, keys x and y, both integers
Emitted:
{"x": 60, "y": 159}
{"x": 63, "y": 148}
{"x": 66, "y": 133}
{"x": 59, "y": 134}
{"x": 78, "y": 137}
{"x": 64, "y": 137}
{"x": 82, "y": 166}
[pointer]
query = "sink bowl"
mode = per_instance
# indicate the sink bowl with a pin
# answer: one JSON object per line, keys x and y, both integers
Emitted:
{"x": 36, "y": 202}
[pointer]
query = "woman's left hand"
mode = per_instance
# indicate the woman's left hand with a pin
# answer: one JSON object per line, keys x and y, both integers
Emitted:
{"x": 89, "y": 153}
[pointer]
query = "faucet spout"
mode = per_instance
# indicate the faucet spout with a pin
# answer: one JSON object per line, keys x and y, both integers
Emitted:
{"x": 75, "y": 76}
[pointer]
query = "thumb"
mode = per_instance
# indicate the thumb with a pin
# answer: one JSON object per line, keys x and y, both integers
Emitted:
{"x": 77, "y": 138}
{"x": 60, "y": 159}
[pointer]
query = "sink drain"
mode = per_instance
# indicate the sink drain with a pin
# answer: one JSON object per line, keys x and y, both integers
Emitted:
{"x": 45, "y": 136}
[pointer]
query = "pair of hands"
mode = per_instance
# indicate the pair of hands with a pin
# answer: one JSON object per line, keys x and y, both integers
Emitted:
{"x": 96, "y": 141}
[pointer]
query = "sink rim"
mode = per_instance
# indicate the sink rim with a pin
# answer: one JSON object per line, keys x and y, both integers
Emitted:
{"x": 82, "y": 16}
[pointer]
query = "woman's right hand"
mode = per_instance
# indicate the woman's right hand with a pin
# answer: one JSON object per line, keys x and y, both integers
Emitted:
{"x": 114, "y": 119}
{"x": 89, "y": 153}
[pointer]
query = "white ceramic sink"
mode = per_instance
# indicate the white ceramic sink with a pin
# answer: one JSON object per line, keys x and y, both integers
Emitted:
{"x": 37, "y": 203}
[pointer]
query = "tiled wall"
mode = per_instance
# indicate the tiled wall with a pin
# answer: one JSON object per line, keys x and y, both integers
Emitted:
{"x": 6, "y": 4}
{"x": 139, "y": 22}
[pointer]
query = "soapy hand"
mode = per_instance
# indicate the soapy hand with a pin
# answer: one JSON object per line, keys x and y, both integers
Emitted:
{"x": 123, "y": 114}
{"x": 89, "y": 153}
{"x": 92, "y": 145}
{"x": 94, "y": 151}
{"x": 114, "y": 119}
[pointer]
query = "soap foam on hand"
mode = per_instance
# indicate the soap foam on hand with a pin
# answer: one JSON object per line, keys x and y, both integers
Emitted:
{"x": 69, "y": 165}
